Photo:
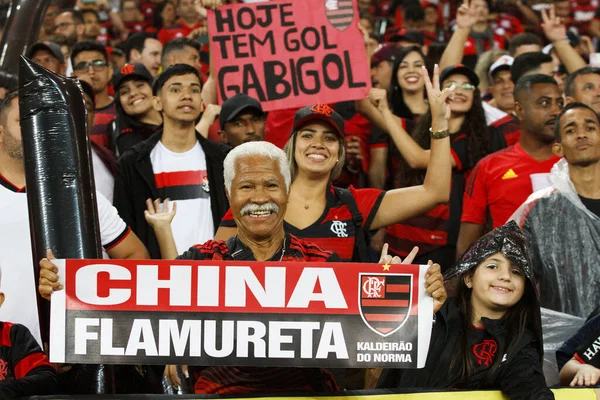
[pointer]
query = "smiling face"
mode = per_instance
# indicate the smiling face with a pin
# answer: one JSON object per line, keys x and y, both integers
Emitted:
{"x": 462, "y": 100}
{"x": 409, "y": 73}
{"x": 317, "y": 149}
{"x": 579, "y": 137}
{"x": 258, "y": 197}
{"x": 179, "y": 98}
{"x": 496, "y": 285}
{"x": 135, "y": 97}
{"x": 502, "y": 89}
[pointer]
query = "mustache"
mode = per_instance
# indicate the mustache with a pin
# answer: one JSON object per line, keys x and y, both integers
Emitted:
{"x": 253, "y": 207}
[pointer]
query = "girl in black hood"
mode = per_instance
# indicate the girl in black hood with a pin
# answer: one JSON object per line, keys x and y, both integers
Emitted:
{"x": 489, "y": 336}
{"x": 136, "y": 118}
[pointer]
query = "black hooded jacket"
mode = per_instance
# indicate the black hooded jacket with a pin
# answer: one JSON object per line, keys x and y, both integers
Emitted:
{"x": 134, "y": 183}
{"x": 519, "y": 377}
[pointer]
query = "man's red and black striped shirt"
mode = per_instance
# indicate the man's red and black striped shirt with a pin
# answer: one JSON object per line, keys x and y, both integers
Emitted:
{"x": 242, "y": 380}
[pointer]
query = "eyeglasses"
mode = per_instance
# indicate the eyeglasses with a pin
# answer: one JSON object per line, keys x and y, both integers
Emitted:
{"x": 464, "y": 86}
{"x": 97, "y": 65}
{"x": 63, "y": 25}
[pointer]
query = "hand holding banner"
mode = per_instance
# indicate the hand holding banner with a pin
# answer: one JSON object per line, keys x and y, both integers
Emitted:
{"x": 333, "y": 315}
{"x": 289, "y": 54}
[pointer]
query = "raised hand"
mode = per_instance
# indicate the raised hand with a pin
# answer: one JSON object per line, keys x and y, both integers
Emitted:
{"x": 378, "y": 98}
{"x": 438, "y": 99}
{"x": 554, "y": 28}
{"x": 158, "y": 215}
{"x": 465, "y": 16}
{"x": 434, "y": 285}
{"x": 354, "y": 154}
{"x": 388, "y": 259}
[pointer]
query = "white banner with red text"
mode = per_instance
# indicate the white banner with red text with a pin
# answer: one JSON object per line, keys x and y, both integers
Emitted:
{"x": 335, "y": 315}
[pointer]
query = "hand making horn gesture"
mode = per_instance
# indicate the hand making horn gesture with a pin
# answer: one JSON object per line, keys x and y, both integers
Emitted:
{"x": 438, "y": 99}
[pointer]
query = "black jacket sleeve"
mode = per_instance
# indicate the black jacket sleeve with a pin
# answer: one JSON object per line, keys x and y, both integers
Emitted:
{"x": 523, "y": 378}
{"x": 122, "y": 198}
{"x": 568, "y": 349}
{"x": 33, "y": 373}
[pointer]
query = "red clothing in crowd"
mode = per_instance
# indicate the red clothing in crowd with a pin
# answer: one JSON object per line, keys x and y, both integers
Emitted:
{"x": 509, "y": 127}
{"x": 179, "y": 30}
{"x": 335, "y": 229}
{"x": 104, "y": 116}
{"x": 499, "y": 184}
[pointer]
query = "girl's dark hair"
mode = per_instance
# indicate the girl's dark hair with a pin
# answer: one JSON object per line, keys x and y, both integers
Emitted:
{"x": 158, "y": 22}
{"x": 474, "y": 127}
{"x": 397, "y": 104}
{"x": 517, "y": 319}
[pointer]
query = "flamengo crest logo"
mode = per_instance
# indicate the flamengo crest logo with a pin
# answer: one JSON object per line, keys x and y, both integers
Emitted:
{"x": 340, "y": 13}
{"x": 385, "y": 301}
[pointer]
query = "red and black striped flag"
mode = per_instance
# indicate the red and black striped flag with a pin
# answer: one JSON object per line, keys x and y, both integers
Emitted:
{"x": 340, "y": 13}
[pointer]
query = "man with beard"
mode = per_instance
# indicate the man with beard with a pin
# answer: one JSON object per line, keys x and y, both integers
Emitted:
{"x": 562, "y": 222}
{"x": 90, "y": 63}
{"x": 70, "y": 24}
{"x": 583, "y": 86}
{"x": 176, "y": 163}
{"x": 500, "y": 182}
{"x": 15, "y": 241}
{"x": 242, "y": 120}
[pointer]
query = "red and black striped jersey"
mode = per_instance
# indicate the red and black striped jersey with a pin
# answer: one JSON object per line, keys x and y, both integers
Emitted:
{"x": 241, "y": 380}
{"x": 24, "y": 368}
{"x": 508, "y": 127}
{"x": 294, "y": 249}
{"x": 103, "y": 117}
{"x": 335, "y": 229}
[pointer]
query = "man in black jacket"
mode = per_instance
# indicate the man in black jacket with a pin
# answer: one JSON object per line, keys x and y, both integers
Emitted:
{"x": 175, "y": 163}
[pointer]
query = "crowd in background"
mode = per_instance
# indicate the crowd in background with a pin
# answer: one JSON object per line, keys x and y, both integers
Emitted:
{"x": 515, "y": 137}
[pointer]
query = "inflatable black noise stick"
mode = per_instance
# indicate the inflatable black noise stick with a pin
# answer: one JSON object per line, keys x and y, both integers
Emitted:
{"x": 61, "y": 194}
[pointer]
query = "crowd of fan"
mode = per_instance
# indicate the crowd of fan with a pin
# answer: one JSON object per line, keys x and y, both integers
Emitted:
{"x": 480, "y": 113}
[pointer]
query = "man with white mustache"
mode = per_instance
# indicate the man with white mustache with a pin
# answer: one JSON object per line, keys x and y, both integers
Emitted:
{"x": 257, "y": 181}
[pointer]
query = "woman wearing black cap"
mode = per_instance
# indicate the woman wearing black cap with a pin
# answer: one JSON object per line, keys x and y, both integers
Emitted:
{"x": 436, "y": 231}
{"x": 136, "y": 118}
{"x": 341, "y": 219}
{"x": 489, "y": 336}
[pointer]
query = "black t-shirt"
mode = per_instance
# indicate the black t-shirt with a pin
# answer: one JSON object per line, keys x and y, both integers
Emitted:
{"x": 591, "y": 204}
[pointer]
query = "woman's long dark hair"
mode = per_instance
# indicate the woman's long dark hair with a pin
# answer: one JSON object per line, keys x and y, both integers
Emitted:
{"x": 158, "y": 22}
{"x": 397, "y": 104}
{"x": 474, "y": 127}
{"x": 517, "y": 319}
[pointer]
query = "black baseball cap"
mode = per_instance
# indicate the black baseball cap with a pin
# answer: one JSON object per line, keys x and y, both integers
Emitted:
{"x": 51, "y": 47}
{"x": 319, "y": 112}
{"x": 131, "y": 70}
{"x": 462, "y": 70}
{"x": 233, "y": 106}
